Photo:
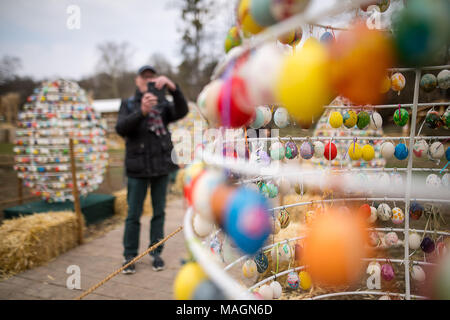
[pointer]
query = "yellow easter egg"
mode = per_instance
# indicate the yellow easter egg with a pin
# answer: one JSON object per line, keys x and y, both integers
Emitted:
{"x": 245, "y": 20}
{"x": 305, "y": 280}
{"x": 354, "y": 151}
{"x": 187, "y": 279}
{"x": 368, "y": 152}
{"x": 303, "y": 86}
{"x": 336, "y": 119}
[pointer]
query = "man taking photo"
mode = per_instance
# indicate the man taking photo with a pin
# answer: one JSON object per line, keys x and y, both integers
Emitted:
{"x": 143, "y": 120}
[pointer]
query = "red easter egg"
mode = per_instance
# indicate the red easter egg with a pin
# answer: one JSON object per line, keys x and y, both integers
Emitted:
{"x": 365, "y": 211}
{"x": 330, "y": 155}
{"x": 235, "y": 108}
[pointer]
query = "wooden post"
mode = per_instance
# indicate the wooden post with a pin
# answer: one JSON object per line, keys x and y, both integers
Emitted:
{"x": 20, "y": 190}
{"x": 76, "y": 197}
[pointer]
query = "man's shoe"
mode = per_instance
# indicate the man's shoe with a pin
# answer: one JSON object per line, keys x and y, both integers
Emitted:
{"x": 158, "y": 263}
{"x": 131, "y": 268}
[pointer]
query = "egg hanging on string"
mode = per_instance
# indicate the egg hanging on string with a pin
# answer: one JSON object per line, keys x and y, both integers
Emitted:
{"x": 277, "y": 289}
{"x": 420, "y": 148}
{"x": 350, "y": 118}
{"x": 436, "y": 150}
{"x": 262, "y": 262}
{"x": 428, "y": 82}
{"x": 330, "y": 152}
{"x": 387, "y": 150}
{"x": 376, "y": 121}
{"x": 398, "y": 82}
{"x": 433, "y": 181}
{"x": 354, "y": 151}
{"x": 336, "y": 119}
{"x": 387, "y": 272}
{"x": 281, "y": 118}
{"x": 443, "y": 79}
{"x": 363, "y": 120}
{"x": 401, "y": 117}
{"x": 368, "y": 152}
{"x": 249, "y": 269}
{"x": 418, "y": 274}
{"x": 291, "y": 150}
{"x": 307, "y": 150}
{"x": 401, "y": 151}
{"x": 414, "y": 241}
{"x": 433, "y": 120}
{"x": 277, "y": 151}
{"x": 319, "y": 149}
{"x": 293, "y": 280}
{"x": 427, "y": 245}
{"x": 398, "y": 216}
{"x": 384, "y": 212}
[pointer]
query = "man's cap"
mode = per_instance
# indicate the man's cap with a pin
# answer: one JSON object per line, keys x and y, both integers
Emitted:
{"x": 145, "y": 68}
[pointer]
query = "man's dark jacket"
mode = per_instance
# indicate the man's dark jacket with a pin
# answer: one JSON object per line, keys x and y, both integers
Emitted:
{"x": 148, "y": 155}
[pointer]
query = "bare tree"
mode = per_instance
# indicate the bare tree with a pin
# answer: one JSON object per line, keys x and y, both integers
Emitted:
{"x": 8, "y": 68}
{"x": 161, "y": 64}
{"x": 114, "y": 61}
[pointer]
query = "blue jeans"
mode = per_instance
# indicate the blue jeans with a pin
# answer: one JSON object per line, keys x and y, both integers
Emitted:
{"x": 137, "y": 190}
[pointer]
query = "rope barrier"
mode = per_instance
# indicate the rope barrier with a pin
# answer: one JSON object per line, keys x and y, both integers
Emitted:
{"x": 115, "y": 273}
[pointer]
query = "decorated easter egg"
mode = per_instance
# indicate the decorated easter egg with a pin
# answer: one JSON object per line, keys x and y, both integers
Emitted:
{"x": 277, "y": 151}
{"x": 282, "y": 252}
{"x": 305, "y": 280}
{"x": 354, "y": 151}
{"x": 208, "y": 290}
{"x": 260, "y": 11}
{"x": 446, "y": 118}
{"x": 433, "y": 120}
{"x": 387, "y": 150}
{"x": 376, "y": 121}
{"x": 291, "y": 150}
{"x": 258, "y": 119}
{"x": 363, "y": 120}
{"x": 235, "y": 109}
{"x": 261, "y": 157}
{"x": 355, "y": 50}
{"x": 202, "y": 227}
{"x": 298, "y": 34}
{"x": 261, "y": 73}
{"x": 384, "y": 212}
{"x": 446, "y": 178}
{"x": 265, "y": 290}
{"x": 262, "y": 262}
{"x": 267, "y": 115}
{"x": 293, "y": 280}
{"x": 304, "y": 94}
{"x": 273, "y": 190}
{"x": 398, "y": 82}
{"x": 327, "y": 37}
{"x": 420, "y": 148}
{"x": 350, "y": 118}
{"x": 202, "y": 192}
{"x": 387, "y": 272}
{"x": 277, "y": 289}
{"x": 391, "y": 239}
{"x": 245, "y": 19}
{"x": 436, "y": 150}
{"x": 233, "y": 39}
{"x": 443, "y": 79}
{"x": 249, "y": 269}
{"x": 284, "y": 218}
{"x": 330, "y": 151}
{"x": 292, "y": 38}
{"x": 401, "y": 151}
{"x": 211, "y": 101}
{"x": 418, "y": 274}
{"x": 398, "y": 216}
{"x": 428, "y": 82}
{"x": 187, "y": 280}
{"x": 433, "y": 181}
{"x": 414, "y": 241}
{"x": 385, "y": 85}
{"x": 427, "y": 245}
{"x": 336, "y": 120}
{"x": 319, "y": 149}
{"x": 373, "y": 215}
{"x": 283, "y": 9}
{"x": 420, "y": 23}
{"x": 307, "y": 150}
{"x": 368, "y": 152}
{"x": 401, "y": 117}
{"x": 281, "y": 118}
{"x": 247, "y": 220}
{"x": 415, "y": 210}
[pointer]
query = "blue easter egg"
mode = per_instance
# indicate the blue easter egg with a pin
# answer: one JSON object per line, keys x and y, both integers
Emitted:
{"x": 327, "y": 37}
{"x": 207, "y": 290}
{"x": 247, "y": 220}
{"x": 447, "y": 154}
{"x": 401, "y": 151}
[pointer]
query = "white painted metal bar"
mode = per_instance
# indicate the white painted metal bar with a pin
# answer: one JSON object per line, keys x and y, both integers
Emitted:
{"x": 348, "y": 138}
{"x": 390, "y": 106}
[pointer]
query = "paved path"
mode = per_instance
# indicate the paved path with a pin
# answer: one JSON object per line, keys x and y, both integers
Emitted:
{"x": 99, "y": 258}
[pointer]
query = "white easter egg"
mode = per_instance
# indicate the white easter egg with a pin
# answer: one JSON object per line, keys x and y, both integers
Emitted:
{"x": 436, "y": 150}
{"x": 266, "y": 292}
{"x": 374, "y": 267}
{"x": 376, "y": 121}
{"x": 277, "y": 289}
{"x": 281, "y": 118}
{"x": 433, "y": 181}
{"x": 373, "y": 215}
{"x": 385, "y": 297}
{"x": 319, "y": 149}
{"x": 202, "y": 226}
{"x": 418, "y": 274}
{"x": 267, "y": 115}
{"x": 387, "y": 150}
{"x": 284, "y": 252}
{"x": 391, "y": 239}
{"x": 384, "y": 212}
{"x": 414, "y": 241}
{"x": 261, "y": 74}
{"x": 446, "y": 180}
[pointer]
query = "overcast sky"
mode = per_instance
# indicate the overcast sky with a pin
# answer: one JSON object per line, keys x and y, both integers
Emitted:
{"x": 36, "y": 31}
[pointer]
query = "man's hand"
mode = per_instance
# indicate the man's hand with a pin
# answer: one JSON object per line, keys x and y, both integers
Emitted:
{"x": 161, "y": 81}
{"x": 149, "y": 100}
